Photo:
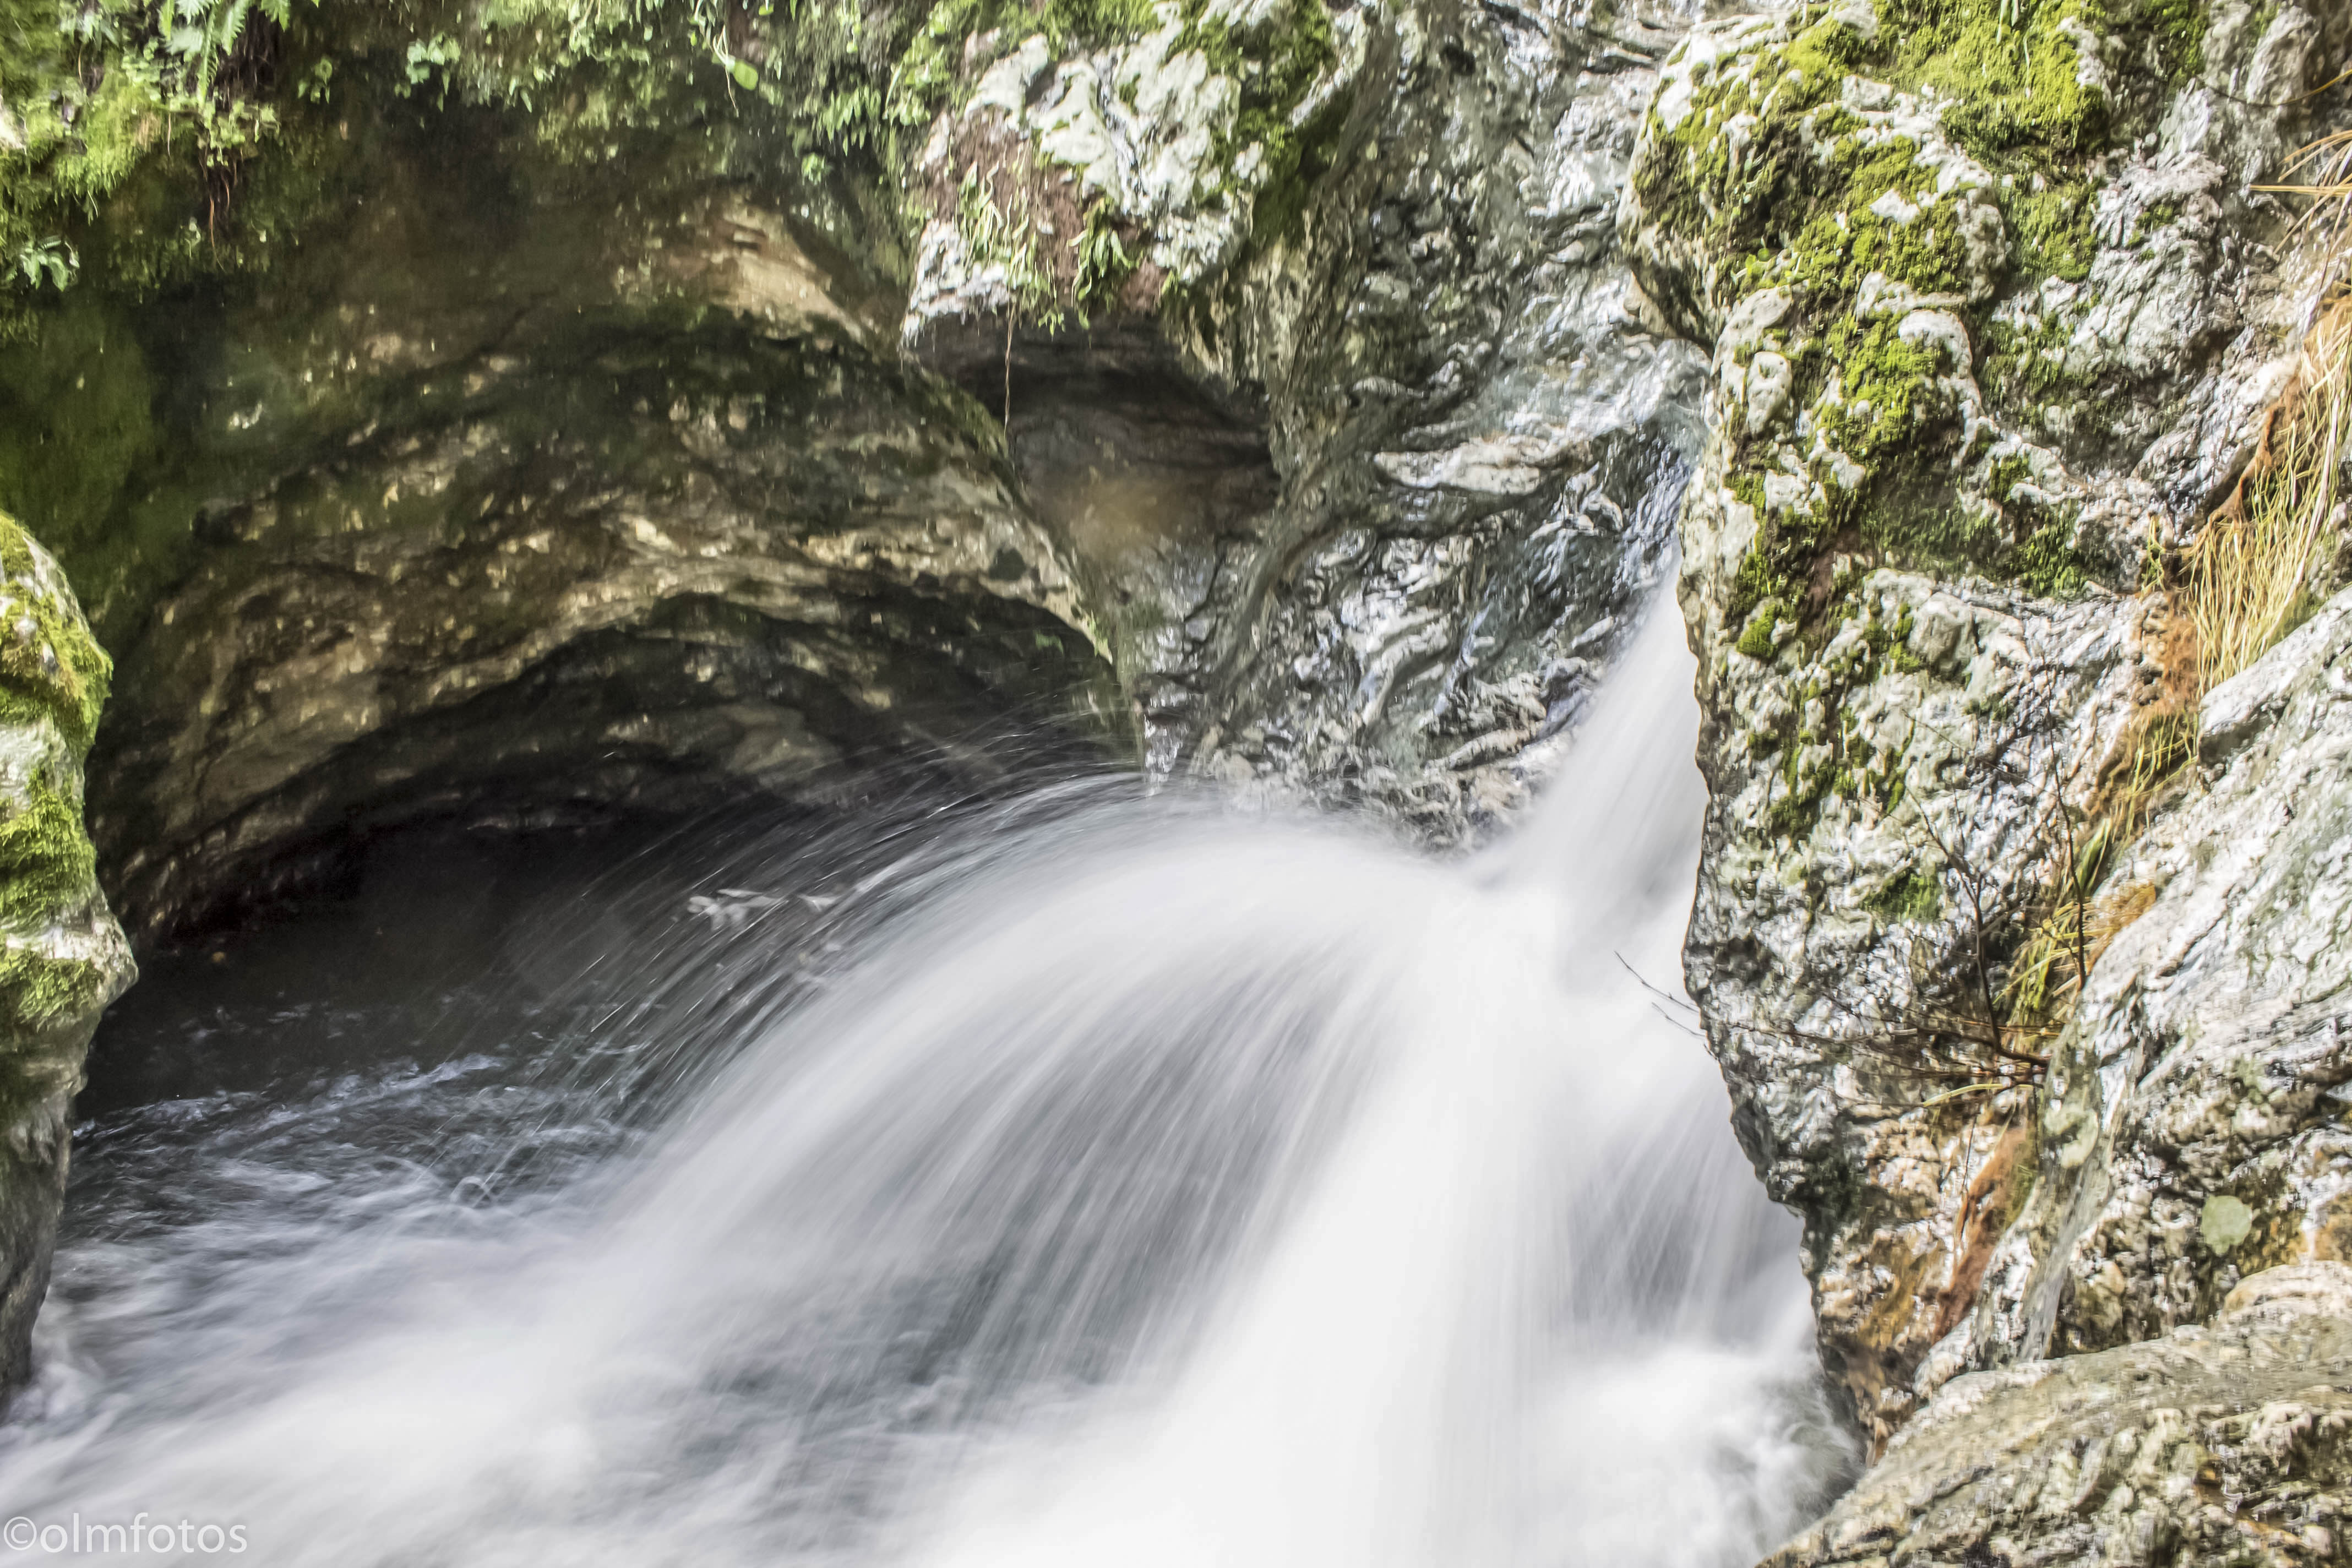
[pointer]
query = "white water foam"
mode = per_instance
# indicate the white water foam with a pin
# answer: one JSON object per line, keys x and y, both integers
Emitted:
{"x": 1165, "y": 1185}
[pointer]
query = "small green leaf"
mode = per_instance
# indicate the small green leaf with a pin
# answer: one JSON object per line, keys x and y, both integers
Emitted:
{"x": 745, "y": 76}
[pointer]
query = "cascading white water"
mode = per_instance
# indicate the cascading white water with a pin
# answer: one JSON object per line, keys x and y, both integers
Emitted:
{"x": 1156, "y": 1184}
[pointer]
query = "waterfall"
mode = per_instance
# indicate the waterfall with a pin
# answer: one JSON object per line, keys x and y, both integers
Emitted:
{"x": 1155, "y": 1183}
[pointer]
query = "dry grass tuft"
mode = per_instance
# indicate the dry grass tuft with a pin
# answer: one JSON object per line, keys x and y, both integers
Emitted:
{"x": 2323, "y": 172}
{"x": 2155, "y": 752}
{"x": 2253, "y": 575}
{"x": 2066, "y": 945}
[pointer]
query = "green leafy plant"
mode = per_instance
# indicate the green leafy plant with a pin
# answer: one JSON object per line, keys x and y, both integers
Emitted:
{"x": 1103, "y": 262}
{"x": 200, "y": 35}
{"x": 50, "y": 261}
{"x": 429, "y": 59}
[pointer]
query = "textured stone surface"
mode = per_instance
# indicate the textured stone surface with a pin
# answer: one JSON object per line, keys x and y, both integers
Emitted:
{"x": 1944, "y": 449}
{"x": 1813, "y": 952}
{"x": 2227, "y": 1444}
{"x": 1426, "y": 442}
{"x": 2193, "y": 1130}
{"x": 1144, "y": 140}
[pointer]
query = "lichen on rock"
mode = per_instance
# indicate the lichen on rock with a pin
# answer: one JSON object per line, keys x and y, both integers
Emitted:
{"x": 1843, "y": 249}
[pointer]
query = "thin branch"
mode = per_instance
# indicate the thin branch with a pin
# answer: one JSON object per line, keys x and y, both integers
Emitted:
{"x": 1685, "y": 1003}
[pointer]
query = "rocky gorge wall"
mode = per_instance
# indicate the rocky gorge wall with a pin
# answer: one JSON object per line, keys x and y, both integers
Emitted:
{"x": 1454, "y": 440}
{"x": 555, "y": 425}
{"x": 504, "y": 501}
{"x": 547, "y": 387}
{"x": 1986, "y": 360}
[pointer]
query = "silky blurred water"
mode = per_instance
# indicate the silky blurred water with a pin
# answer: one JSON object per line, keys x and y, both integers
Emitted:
{"x": 1087, "y": 1177}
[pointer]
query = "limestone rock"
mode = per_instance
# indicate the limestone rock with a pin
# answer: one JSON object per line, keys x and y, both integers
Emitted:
{"x": 1364, "y": 502}
{"x": 2224, "y": 1443}
{"x": 1958, "y": 407}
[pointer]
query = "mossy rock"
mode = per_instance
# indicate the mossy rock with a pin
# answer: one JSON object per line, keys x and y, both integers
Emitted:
{"x": 51, "y": 665}
{"x": 52, "y": 684}
{"x": 1846, "y": 199}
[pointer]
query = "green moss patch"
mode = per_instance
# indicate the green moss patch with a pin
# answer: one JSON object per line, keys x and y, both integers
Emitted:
{"x": 1798, "y": 164}
{"x": 1914, "y": 896}
{"x": 50, "y": 668}
{"x": 37, "y": 992}
{"x": 49, "y": 664}
{"x": 1276, "y": 70}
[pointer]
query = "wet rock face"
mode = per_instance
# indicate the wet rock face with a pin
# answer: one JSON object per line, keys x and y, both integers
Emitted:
{"x": 734, "y": 567}
{"x": 2198, "y": 1104}
{"x": 1969, "y": 385}
{"x": 1150, "y": 476}
{"x": 2223, "y": 1444}
{"x": 1333, "y": 426}
{"x": 1830, "y": 952}
{"x": 511, "y": 511}
{"x": 1431, "y": 446}
{"x": 64, "y": 957}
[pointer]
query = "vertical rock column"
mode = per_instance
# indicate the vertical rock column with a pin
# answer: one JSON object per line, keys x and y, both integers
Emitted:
{"x": 65, "y": 958}
{"x": 1987, "y": 348}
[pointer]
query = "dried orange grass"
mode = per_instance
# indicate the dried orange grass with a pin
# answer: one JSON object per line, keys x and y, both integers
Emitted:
{"x": 2251, "y": 580}
{"x": 2251, "y": 576}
